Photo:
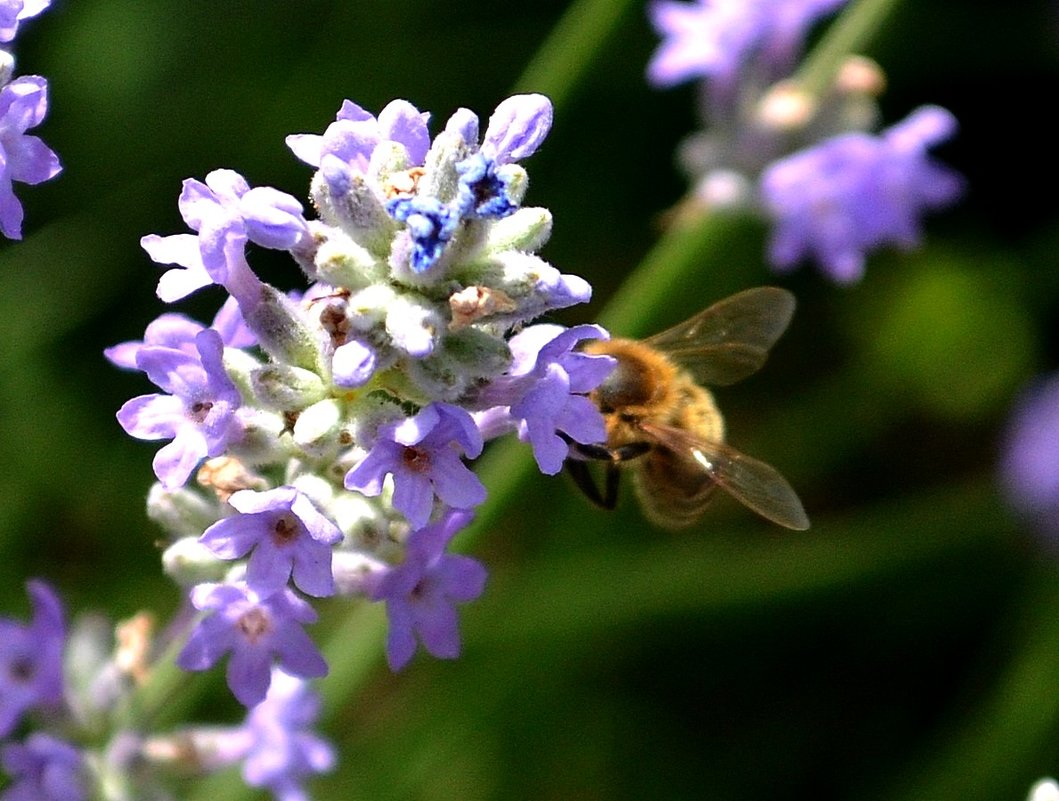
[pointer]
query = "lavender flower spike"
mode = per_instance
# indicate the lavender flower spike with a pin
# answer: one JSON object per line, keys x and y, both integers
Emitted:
{"x": 421, "y": 593}
{"x": 198, "y": 414}
{"x": 31, "y": 658}
{"x": 855, "y": 192}
{"x": 23, "y": 157}
{"x": 256, "y": 631}
{"x": 288, "y": 536}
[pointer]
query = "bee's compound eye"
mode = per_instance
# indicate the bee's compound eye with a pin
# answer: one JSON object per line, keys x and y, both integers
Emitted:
{"x": 628, "y": 385}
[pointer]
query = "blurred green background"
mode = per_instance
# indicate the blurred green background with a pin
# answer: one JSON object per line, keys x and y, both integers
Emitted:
{"x": 906, "y": 647}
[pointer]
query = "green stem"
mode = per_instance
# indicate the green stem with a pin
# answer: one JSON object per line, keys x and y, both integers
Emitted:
{"x": 849, "y": 34}
{"x": 993, "y": 751}
{"x": 577, "y": 40}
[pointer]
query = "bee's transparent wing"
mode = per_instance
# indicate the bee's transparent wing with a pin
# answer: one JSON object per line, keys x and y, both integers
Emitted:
{"x": 731, "y": 339}
{"x": 754, "y": 484}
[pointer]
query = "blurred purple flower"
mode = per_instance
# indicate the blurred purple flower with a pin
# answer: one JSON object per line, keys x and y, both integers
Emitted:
{"x": 226, "y": 213}
{"x": 715, "y": 38}
{"x": 423, "y": 455}
{"x": 283, "y": 750}
{"x": 256, "y": 631}
{"x": 421, "y": 593}
{"x": 198, "y": 414}
{"x": 288, "y": 536}
{"x": 855, "y": 192}
{"x": 1029, "y": 465}
{"x": 31, "y": 670}
{"x": 44, "y": 768}
{"x": 23, "y": 157}
{"x": 13, "y": 12}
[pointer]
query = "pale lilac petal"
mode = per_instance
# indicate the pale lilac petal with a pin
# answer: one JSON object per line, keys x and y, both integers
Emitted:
{"x": 517, "y": 128}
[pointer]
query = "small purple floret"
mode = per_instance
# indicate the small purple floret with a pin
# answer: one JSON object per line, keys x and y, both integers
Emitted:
{"x": 422, "y": 453}
{"x": 855, "y": 192}
{"x": 257, "y": 632}
{"x": 288, "y": 536}
{"x": 422, "y": 592}
{"x": 198, "y": 414}
{"x": 12, "y": 12}
{"x": 23, "y": 157}
{"x": 547, "y": 386}
{"x": 226, "y": 214}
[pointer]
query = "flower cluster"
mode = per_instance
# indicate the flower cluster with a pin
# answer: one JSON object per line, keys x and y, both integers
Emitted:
{"x": 23, "y": 104}
{"x": 330, "y": 429}
{"x": 58, "y": 685}
{"x": 831, "y": 188}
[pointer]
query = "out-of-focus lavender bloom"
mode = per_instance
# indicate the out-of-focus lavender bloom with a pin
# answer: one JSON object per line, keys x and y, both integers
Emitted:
{"x": 854, "y": 192}
{"x": 715, "y": 38}
{"x": 23, "y": 157}
{"x": 13, "y": 12}
{"x": 422, "y": 453}
{"x": 283, "y": 749}
{"x": 422, "y": 592}
{"x": 178, "y": 332}
{"x": 198, "y": 414}
{"x": 44, "y": 768}
{"x": 288, "y": 536}
{"x": 546, "y": 389}
{"x": 1029, "y": 467}
{"x": 226, "y": 213}
{"x": 256, "y": 631}
{"x": 31, "y": 658}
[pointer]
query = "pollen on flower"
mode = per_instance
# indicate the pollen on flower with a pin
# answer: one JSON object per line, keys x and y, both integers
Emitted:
{"x": 472, "y": 303}
{"x": 285, "y": 530}
{"x": 416, "y": 459}
{"x": 225, "y": 475}
{"x": 200, "y": 410}
{"x": 402, "y": 184}
{"x": 134, "y": 638}
{"x": 255, "y": 624}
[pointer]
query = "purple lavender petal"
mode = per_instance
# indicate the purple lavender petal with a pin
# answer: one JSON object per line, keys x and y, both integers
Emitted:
{"x": 517, "y": 128}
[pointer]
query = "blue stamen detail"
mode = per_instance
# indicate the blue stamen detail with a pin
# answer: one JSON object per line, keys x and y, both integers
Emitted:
{"x": 482, "y": 193}
{"x": 431, "y": 225}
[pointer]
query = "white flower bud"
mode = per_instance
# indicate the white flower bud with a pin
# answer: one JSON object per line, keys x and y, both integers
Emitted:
{"x": 285, "y": 388}
{"x": 189, "y": 562}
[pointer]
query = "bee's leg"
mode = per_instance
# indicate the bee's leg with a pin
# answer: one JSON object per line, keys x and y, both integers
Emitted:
{"x": 582, "y": 477}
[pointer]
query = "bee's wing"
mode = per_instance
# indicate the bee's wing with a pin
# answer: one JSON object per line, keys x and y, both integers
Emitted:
{"x": 731, "y": 339}
{"x": 754, "y": 484}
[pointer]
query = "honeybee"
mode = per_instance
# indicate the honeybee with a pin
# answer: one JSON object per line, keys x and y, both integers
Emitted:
{"x": 664, "y": 426}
